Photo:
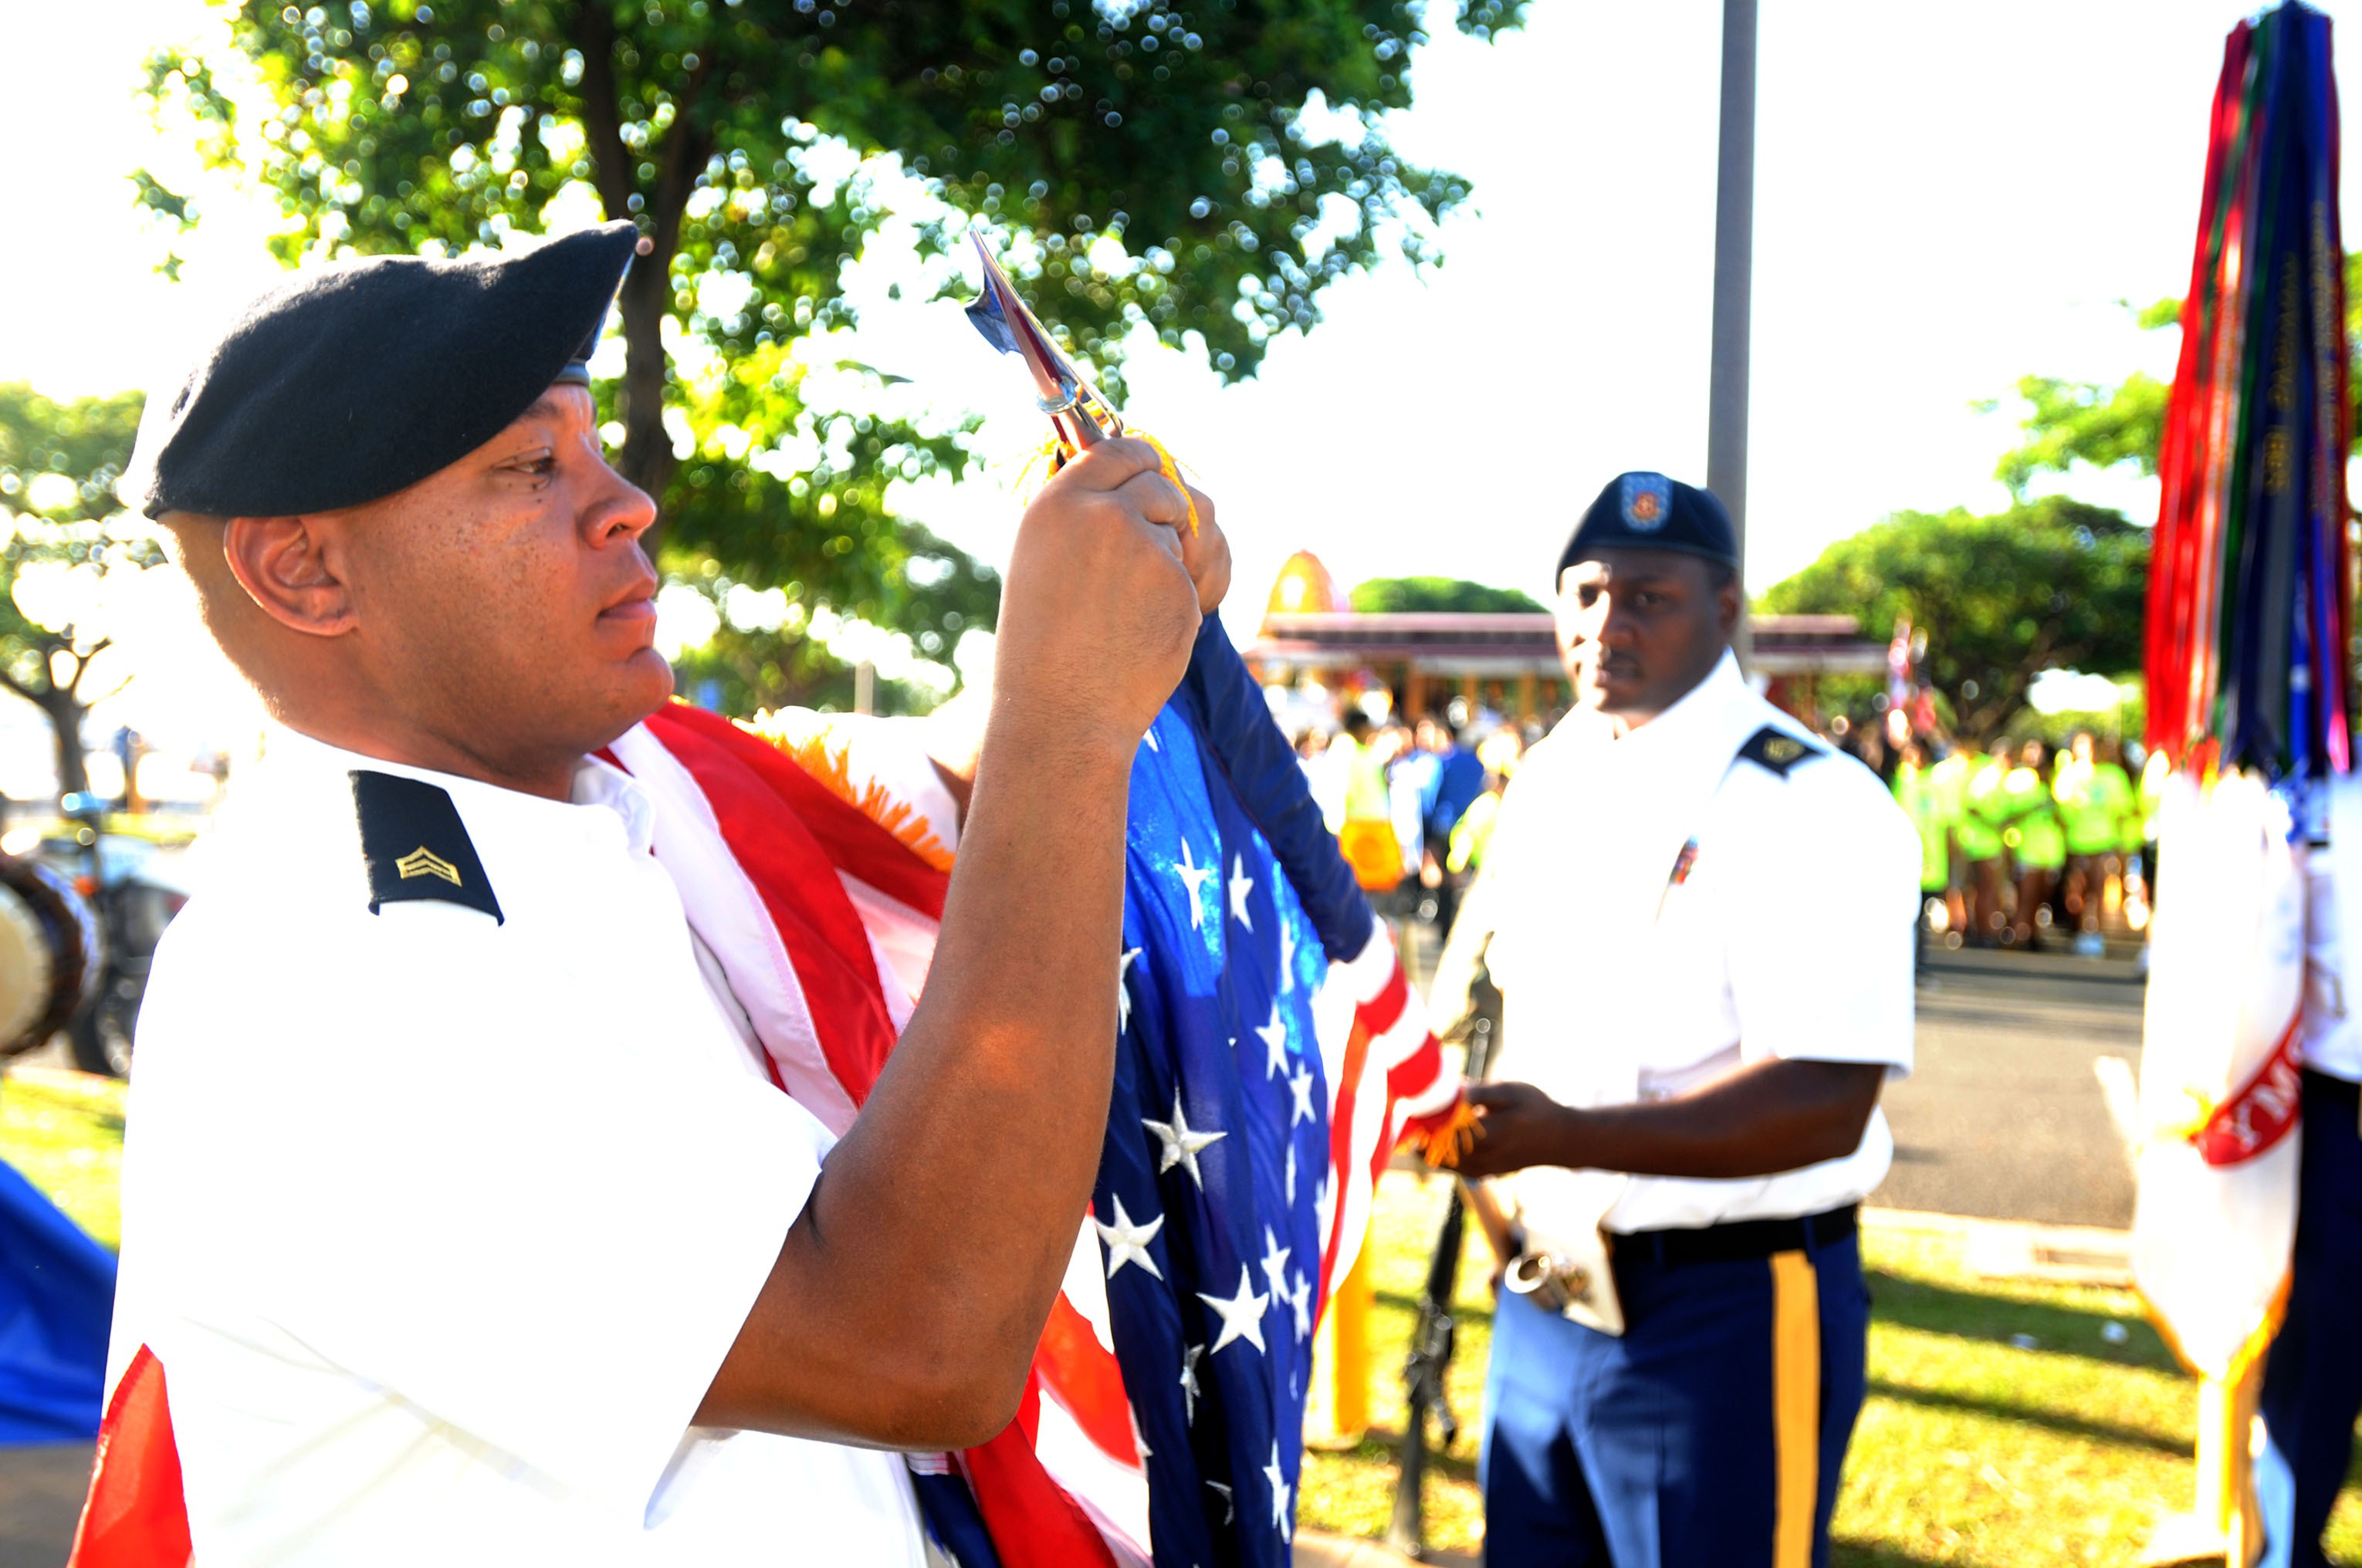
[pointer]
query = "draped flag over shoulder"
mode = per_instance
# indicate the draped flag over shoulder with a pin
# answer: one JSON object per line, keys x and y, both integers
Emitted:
{"x": 2250, "y": 621}
{"x": 1270, "y": 1055}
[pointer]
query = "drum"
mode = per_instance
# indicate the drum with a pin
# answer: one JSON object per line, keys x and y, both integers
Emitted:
{"x": 50, "y": 953}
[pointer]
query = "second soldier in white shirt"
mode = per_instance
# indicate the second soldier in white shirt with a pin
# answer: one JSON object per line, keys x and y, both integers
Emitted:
{"x": 1702, "y": 938}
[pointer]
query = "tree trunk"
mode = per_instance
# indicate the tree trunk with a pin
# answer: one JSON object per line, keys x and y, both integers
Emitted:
{"x": 646, "y": 458}
{"x": 66, "y": 714}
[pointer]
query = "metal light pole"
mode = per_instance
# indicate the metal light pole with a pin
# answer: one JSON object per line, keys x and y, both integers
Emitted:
{"x": 1734, "y": 262}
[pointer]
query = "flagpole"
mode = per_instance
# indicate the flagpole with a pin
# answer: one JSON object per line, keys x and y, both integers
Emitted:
{"x": 1734, "y": 256}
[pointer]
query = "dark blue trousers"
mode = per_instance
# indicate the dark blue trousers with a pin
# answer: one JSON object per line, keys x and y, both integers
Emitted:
{"x": 2312, "y": 1376}
{"x": 1708, "y": 1436}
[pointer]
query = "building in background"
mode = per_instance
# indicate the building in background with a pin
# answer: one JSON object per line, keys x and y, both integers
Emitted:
{"x": 1313, "y": 648}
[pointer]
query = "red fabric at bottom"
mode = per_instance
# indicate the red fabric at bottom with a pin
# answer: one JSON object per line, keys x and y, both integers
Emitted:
{"x": 1034, "y": 1524}
{"x": 136, "y": 1517}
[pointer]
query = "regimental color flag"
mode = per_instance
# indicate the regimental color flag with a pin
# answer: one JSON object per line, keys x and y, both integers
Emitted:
{"x": 2248, "y": 624}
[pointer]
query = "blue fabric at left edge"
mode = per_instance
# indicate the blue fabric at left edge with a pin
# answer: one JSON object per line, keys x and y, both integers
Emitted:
{"x": 56, "y": 1300}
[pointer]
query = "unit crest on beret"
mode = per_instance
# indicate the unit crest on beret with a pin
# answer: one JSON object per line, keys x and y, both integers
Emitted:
{"x": 1773, "y": 748}
{"x": 415, "y": 844}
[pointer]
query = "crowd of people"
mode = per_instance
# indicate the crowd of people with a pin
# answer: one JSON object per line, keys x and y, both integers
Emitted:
{"x": 2023, "y": 845}
{"x": 1413, "y": 803}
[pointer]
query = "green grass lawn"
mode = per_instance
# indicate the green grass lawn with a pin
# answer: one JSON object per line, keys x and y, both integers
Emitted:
{"x": 1971, "y": 1448}
{"x": 64, "y": 1131}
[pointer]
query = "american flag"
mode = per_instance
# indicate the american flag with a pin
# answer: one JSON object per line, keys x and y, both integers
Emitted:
{"x": 1270, "y": 1056}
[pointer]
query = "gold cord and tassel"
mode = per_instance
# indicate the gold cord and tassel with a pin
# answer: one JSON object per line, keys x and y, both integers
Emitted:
{"x": 1044, "y": 462}
{"x": 1442, "y": 1146}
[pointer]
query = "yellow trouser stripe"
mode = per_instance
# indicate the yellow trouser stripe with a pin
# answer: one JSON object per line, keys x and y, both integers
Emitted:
{"x": 1796, "y": 1407}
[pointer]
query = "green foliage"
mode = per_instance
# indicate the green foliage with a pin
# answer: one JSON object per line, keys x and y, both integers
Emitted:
{"x": 2102, "y": 425}
{"x": 58, "y": 465}
{"x": 734, "y": 133}
{"x": 1394, "y": 595}
{"x": 2087, "y": 421}
{"x": 2052, "y": 583}
{"x": 2081, "y": 421}
{"x": 770, "y": 653}
{"x": 43, "y": 443}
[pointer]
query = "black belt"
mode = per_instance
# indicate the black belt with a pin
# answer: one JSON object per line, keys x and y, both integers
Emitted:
{"x": 1736, "y": 1241}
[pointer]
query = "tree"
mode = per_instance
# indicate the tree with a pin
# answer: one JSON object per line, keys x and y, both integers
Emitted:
{"x": 1144, "y": 165}
{"x": 2049, "y": 583}
{"x": 1395, "y": 595}
{"x": 2088, "y": 421}
{"x": 58, "y": 465}
{"x": 2102, "y": 425}
{"x": 768, "y": 650}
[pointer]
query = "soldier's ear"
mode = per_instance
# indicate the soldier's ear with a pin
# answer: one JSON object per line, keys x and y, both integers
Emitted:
{"x": 290, "y": 567}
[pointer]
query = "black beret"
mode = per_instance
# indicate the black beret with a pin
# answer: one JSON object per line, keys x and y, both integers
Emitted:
{"x": 1641, "y": 511}
{"x": 352, "y": 381}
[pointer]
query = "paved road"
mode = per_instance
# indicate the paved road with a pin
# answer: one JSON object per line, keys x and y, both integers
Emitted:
{"x": 40, "y": 1497}
{"x": 2005, "y": 1117}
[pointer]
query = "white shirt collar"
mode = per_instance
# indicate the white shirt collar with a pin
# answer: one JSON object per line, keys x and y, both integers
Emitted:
{"x": 596, "y": 784}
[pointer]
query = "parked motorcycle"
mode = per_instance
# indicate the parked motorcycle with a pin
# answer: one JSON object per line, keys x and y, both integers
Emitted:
{"x": 51, "y": 953}
{"x": 132, "y": 885}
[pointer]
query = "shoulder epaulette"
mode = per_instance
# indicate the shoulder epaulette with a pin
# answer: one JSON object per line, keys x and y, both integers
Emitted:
{"x": 1773, "y": 748}
{"x": 415, "y": 844}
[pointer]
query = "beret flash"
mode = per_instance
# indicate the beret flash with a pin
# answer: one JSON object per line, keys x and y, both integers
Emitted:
{"x": 1641, "y": 511}
{"x": 352, "y": 381}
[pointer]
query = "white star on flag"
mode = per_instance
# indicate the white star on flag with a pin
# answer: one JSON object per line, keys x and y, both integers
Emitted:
{"x": 1275, "y": 1042}
{"x": 1242, "y": 1314}
{"x": 1291, "y": 1176}
{"x": 1189, "y": 1354}
{"x": 1281, "y": 1515}
{"x": 1301, "y": 1300}
{"x": 1123, "y": 991}
{"x": 1241, "y": 884}
{"x": 1181, "y": 1144}
{"x": 1127, "y": 1242}
{"x": 1193, "y": 876}
{"x": 1229, "y": 1509}
{"x": 1301, "y": 1085}
{"x": 1286, "y": 955}
{"x": 1274, "y": 1264}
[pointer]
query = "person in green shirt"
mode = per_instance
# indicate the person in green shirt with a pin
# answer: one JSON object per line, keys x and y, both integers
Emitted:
{"x": 1979, "y": 831}
{"x": 2028, "y": 819}
{"x": 1916, "y": 792}
{"x": 1947, "y": 780}
{"x": 2095, "y": 801}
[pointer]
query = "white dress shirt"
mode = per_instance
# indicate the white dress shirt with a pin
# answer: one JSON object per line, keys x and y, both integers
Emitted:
{"x": 1666, "y": 913}
{"x": 441, "y": 1226}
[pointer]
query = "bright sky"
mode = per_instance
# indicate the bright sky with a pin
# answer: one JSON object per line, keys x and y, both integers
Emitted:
{"x": 1948, "y": 197}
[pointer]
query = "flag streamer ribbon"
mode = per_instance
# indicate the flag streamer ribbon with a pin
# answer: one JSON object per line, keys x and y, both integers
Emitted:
{"x": 2250, "y": 577}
